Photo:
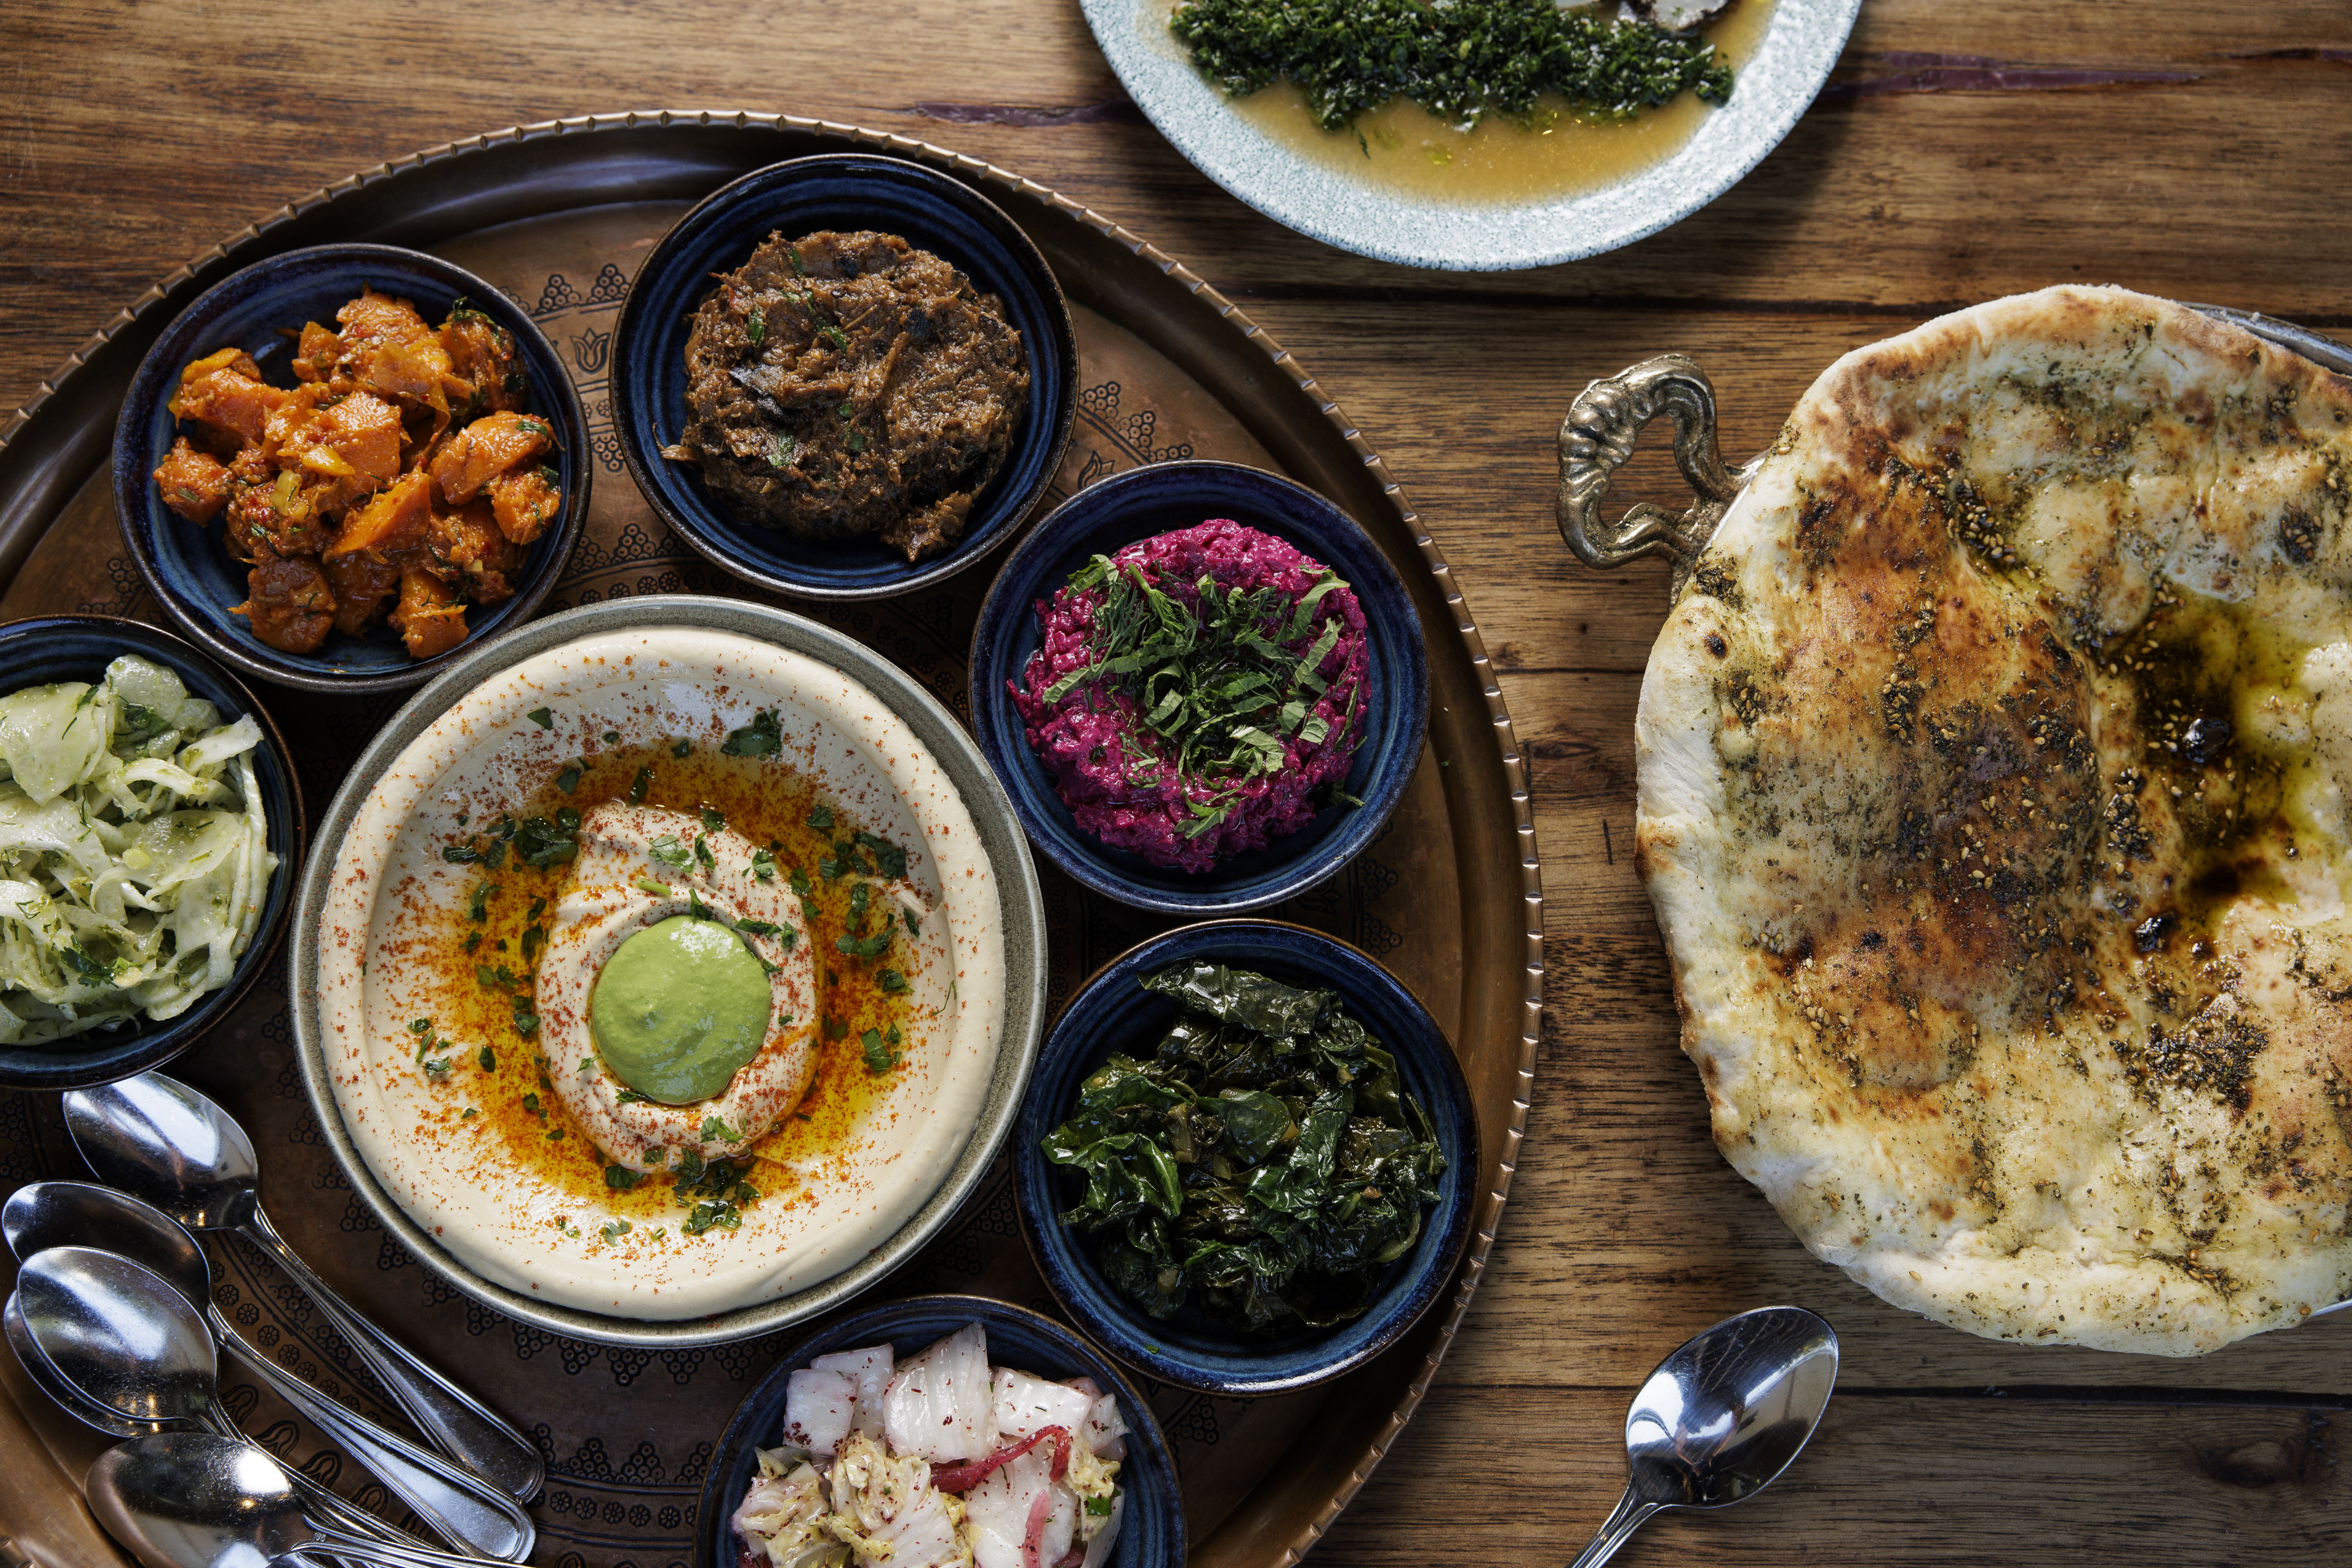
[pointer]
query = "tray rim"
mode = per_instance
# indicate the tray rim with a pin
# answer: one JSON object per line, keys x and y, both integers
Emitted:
{"x": 35, "y": 489}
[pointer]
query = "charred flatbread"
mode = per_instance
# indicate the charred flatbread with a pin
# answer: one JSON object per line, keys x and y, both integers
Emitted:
{"x": 1994, "y": 767}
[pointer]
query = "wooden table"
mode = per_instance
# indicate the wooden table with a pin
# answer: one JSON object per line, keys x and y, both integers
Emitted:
{"x": 1961, "y": 152}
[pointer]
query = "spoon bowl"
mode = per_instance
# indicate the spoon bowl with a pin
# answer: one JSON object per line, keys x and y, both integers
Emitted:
{"x": 120, "y": 1335}
{"x": 162, "y": 1141}
{"x": 1722, "y": 1417}
{"x": 49, "y": 1381}
{"x": 190, "y": 1499}
{"x": 43, "y": 1215}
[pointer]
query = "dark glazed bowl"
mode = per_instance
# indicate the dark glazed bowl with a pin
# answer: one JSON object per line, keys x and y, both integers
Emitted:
{"x": 847, "y": 192}
{"x": 1151, "y": 1533}
{"x": 1138, "y": 504}
{"x": 53, "y": 648}
{"x": 1112, "y": 1013}
{"x": 189, "y": 569}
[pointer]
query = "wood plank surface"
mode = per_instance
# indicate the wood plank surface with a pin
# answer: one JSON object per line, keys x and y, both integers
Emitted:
{"x": 1960, "y": 153}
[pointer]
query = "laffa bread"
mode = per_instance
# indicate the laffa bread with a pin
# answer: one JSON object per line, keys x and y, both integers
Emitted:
{"x": 1993, "y": 774}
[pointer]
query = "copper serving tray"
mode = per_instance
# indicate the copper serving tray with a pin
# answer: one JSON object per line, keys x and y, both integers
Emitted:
{"x": 557, "y": 215}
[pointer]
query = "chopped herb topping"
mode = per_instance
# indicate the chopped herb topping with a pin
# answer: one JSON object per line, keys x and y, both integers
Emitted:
{"x": 1461, "y": 62}
{"x": 638, "y": 785}
{"x": 880, "y": 1057}
{"x": 543, "y": 718}
{"x": 762, "y": 737}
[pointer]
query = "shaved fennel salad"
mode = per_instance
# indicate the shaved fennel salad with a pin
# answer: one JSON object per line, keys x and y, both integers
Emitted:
{"x": 135, "y": 855}
{"x": 940, "y": 1459}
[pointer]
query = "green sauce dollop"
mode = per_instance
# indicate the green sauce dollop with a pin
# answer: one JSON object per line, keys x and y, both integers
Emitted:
{"x": 679, "y": 1007}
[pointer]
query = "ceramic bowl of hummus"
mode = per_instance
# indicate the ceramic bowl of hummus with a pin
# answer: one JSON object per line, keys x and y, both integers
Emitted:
{"x": 669, "y": 972}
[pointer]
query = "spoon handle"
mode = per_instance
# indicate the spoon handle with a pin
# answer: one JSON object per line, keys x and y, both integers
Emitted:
{"x": 455, "y": 1423}
{"x": 318, "y": 1502}
{"x": 462, "y": 1509}
{"x": 1623, "y": 1522}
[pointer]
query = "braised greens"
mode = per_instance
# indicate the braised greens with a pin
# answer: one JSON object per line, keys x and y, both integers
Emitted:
{"x": 1263, "y": 1167}
{"x": 1461, "y": 60}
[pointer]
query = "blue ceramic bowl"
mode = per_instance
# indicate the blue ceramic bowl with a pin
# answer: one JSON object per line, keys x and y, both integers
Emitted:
{"x": 1138, "y": 504}
{"x": 1112, "y": 1013}
{"x": 1151, "y": 1531}
{"x": 189, "y": 569}
{"x": 52, "y": 648}
{"x": 849, "y": 191}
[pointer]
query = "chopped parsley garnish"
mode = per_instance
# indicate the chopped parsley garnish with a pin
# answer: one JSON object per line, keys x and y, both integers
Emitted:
{"x": 488, "y": 1060}
{"x": 702, "y": 855}
{"x": 543, "y": 718}
{"x": 764, "y": 864}
{"x": 762, "y": 737}
{"x": 638, "y": 785}
{"x": 864, "y": 946}
{"x": 714, "y": 1131}
{"x": 460, "y": 854}
{"x": 880, "y": 1056}
{"x": 821, "y": 818}
{"x": 890, "y": 860}
{"x": 612, "y": 737}
{"x": 530, "y": 1103}
{"x": 477, "y": 907}
{"x": 569, "y": 779}
{"x": 617, "y": 1229}
{"x": 555, "y": 1135}
{"x": 713, "y": 821}
{"x": 543, "y": 842}
{"x": 890, "y": 982}
{"x": 799, "y": 882}
{"x": 670, "y": 852}
{"x": 620, "y": 1178}
{"x": 914, "y": 921}
{"x": 835, "y": 1029}
{"x": 526, "y": 1021}
{"x": 628, "y": 1096}
{"x": 682, "y": 749}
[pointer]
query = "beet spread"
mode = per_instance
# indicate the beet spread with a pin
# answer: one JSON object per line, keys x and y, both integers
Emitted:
{"x": 1196, "y": 693}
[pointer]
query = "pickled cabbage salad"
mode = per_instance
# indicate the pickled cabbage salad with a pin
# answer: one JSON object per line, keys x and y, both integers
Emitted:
{"x": 135, "y": 855}
{"x": 940, "y": 1459}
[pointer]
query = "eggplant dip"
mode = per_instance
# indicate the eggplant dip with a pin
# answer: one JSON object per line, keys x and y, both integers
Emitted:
{"x": 846, "y": 387}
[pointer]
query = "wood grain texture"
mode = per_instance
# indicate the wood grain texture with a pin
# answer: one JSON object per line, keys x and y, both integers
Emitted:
{"x": 1961, "y": 152}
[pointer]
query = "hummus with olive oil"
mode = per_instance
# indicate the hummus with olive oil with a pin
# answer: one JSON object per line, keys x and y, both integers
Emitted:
{"x": 534, "y": 830}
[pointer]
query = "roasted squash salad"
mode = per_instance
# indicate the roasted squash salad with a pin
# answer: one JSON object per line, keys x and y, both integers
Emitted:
{"x": 400, "y": 474}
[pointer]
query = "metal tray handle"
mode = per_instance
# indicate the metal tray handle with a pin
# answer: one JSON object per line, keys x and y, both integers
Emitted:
{"x": 1597, "y": 438}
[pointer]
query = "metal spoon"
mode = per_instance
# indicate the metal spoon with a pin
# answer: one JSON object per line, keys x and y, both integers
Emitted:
{"x": 462, "y": 1509}
{"x": 152, "y": 1369}
{"x": 190, "y": 1499}
{"x": 1721, "y": 1417}
{"x": 161, "y": 1141}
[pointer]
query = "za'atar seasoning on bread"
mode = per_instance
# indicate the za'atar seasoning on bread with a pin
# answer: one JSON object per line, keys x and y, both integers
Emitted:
{"x": 1198, "y": 694}
{"x": 1992, "y": 779}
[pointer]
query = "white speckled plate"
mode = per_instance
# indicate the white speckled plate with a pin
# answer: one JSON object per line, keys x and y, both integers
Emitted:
{"x": 840, "y": 1206}
{"x": 1775, "y": 86}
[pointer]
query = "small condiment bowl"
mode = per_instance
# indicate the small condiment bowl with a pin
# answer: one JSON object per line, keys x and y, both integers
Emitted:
{"x": 48, "y": 649}
{"x": 189, "y": 569}
{"x": 1112, "y": 1013}
{"x": 1151, "y": 1531}
{"x": 1139, "y": 504}
{"x": 847, "y": 192}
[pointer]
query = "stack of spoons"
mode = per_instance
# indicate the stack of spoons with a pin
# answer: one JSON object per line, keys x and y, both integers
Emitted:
{"x": 113, "y": 1318}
